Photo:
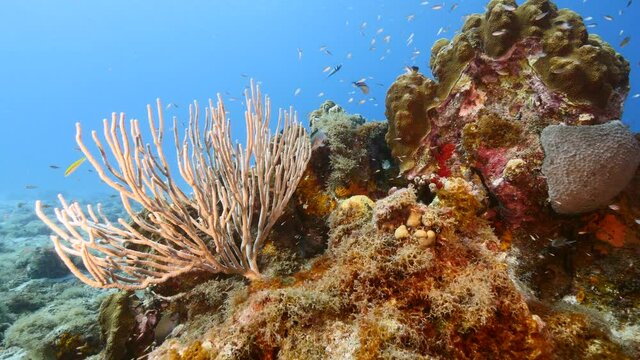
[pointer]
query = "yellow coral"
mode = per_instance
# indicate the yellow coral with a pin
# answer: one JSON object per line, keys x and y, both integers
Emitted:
{"x": 458, "y": 194}
{"x": 315, "y": 202}
{"x": 355, "y": 208}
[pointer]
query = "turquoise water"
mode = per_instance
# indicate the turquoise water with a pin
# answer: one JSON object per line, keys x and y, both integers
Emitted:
{"x": 68, "y": 61}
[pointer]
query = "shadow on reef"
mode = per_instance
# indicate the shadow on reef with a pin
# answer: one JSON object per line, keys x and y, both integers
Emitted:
{"x": 463, "y": 228}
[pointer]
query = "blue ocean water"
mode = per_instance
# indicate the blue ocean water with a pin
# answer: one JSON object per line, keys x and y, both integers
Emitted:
{"x": 66, "y": 61}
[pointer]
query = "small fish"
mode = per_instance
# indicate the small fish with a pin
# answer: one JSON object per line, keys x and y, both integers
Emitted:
{"x": 335, "y": 70}
{"x": 629, "y": 3}
{"x": 325, "y": 50}
{"x": 588, "y": 18}
{"x": 592, "y": 25}
{"x": 411, "y": 69}
{"x": 410, "y": 39}
{"x": 326, "y": 68}
{"x": 437, "y": 7}
{"x": 362, "y": 27}
{"x": 299, "y": 53}
{"x": 508, "y": 7}
{"x": 621, "y": 32}
{"x": 350, "y": 100}
{"x": 244, "y": 75}
{"x": 410, "y": 18}
{"x": 499, "y": 32}
{"x": 74, "y": 166}
{"x": 608, "y": 17}
{"x": 625, "y": 41}
{"x": 361, "y": 102}
{"x": 30, "y": 187}
{"x": 379, "y": 31}
{"x": 54, "y": 166}
{"x": 318, "y": 140}
{"x": 561, "y": 241}
{"x": 349, "y": 56}
{"x": 541, "y": 15}
{"x": 614, "y": 207}
{"x": 321, "y": 94}
{"x": 362, "y": 86}
{"x": 638, "y": 221}
{"x": 563, "y": 25}
{"x": 415, "y": 54}
{"x": 387, "y": 39}
{"x": 635, "y": 96}
{"x": 453, "y": 7}
{"x": 297, "y": 92}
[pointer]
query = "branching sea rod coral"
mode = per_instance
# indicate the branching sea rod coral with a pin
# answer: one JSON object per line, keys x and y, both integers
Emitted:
{"x": 238, "y": 195}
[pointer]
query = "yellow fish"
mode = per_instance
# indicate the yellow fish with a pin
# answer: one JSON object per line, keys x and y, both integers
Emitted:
{"x": 74, "y": 166}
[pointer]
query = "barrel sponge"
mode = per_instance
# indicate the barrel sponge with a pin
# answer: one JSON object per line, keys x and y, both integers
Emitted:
{"x": 587, "y": 166}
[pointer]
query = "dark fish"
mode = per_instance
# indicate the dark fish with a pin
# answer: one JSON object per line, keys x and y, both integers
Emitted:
{"x": 54, "y": 166}
{"x": 335, "y": 70}
{"x": 625, "y": 41}
{"x": 561, "y": 241}
{"x": 362, "y": 86}
{"x": 30, "y": 187}
{"x": 629, "y": 3}
{"x": 411, "y": 69}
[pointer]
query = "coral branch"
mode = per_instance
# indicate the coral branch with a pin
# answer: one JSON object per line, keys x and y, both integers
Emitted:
{"x": 238, "y": 193}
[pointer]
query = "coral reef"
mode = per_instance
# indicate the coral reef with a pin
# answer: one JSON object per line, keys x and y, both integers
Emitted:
{"x": 63, "y": 329}
{"x": 350, "y": 157}
{"x": 375, "y": 295}
{"x": 117, "y": 324}
{"x": 506, "y": 76}
{"x": 473, "y": 225}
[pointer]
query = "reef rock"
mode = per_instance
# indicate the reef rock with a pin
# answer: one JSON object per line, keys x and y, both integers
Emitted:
{"x": 587, "y": 166}
{"x": 507, "y": 75}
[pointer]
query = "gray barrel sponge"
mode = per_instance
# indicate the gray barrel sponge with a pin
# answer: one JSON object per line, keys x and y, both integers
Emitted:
{"x": 587, "y": 166}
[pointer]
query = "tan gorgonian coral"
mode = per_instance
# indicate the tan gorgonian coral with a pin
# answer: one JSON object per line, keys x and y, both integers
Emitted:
{"x": 238, "y": 195}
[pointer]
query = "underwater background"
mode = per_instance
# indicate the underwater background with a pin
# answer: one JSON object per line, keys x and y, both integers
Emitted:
{"x": 354, "y": 211}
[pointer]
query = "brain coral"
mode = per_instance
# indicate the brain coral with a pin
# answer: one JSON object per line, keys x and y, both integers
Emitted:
{"x": 587, "y": 166}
